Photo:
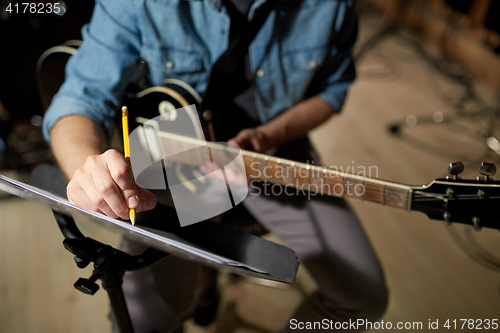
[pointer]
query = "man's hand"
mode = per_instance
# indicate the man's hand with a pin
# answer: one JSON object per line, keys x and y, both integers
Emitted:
{"x": 254, "y": 139}
{"x": 105, "y": 184}
{"x": 292, "y": 124}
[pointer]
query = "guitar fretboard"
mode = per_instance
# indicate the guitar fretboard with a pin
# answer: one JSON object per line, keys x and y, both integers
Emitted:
{"x": 301, "y": 176}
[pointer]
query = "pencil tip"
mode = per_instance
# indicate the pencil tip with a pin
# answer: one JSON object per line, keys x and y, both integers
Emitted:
{"x": 132, "y": 219}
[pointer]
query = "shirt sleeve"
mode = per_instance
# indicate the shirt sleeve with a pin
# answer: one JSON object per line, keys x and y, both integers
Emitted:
{"x": 337, "y": 71}
{"x": 98, "y": 73}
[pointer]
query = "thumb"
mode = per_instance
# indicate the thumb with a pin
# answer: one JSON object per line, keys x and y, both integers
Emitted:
{"x": 147, "y": 200}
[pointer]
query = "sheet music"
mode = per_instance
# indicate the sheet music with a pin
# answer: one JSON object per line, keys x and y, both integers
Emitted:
{"x": 161, "y": 240}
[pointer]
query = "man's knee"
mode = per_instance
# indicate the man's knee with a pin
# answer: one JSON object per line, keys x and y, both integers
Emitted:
{"x": 358, "y": 299}
{"x": 370, "y": 307}
{"x": 374, "y": 306}
{"x": 346, "y": 289}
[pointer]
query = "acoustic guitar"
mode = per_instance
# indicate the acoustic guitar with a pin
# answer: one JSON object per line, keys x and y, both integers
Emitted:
{"x": 475, "y": 202}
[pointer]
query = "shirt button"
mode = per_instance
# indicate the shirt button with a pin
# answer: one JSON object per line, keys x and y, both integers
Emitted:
{"x": 170, "y": 64}
{"x": 222, "y": 31}
{"x": 260, "y": 73}
{"x": 313, "y": 64}
{"x": 266, "y": 110}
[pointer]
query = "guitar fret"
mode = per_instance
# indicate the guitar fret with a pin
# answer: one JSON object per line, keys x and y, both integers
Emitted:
{"x": 259, "y": 168}
{"x": 351, "y": 188}
{"x": 383, "y": 194}
{"x": 396, "y": 197}
{"x": 276, "y": 170}
{"x": 372, "y": 191}
{"x": 249, "y": 166}
{"x": 266, "y": 165}
{"x": 315, "y": 179}
{"x": 325, "y": 184}
{"x": 289, "y": 179}
{"x": 280, "y": 180}
{"x": 301, "y": 178}
{"x": 333, "y": 184}
{"x": 364, "y": 189}
{"x": 343, "y": 185}
{"x": 308, "y": 171}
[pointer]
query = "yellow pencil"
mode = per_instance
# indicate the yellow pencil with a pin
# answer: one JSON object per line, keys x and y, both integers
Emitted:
{"x": 126, "y": 148}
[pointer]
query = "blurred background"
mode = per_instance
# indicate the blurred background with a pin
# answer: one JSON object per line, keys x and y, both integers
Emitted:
{"x": 427, "y": 94}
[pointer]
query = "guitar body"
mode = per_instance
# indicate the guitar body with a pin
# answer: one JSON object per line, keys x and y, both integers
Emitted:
{"x": 176, "y": 105}
{"x": 144, "y": 105}
{"x": 165, "y": 101}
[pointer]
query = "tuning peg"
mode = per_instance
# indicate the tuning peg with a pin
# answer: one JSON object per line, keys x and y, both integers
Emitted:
{"x": 455, "y": 169}
{"x": 487, "y": 169}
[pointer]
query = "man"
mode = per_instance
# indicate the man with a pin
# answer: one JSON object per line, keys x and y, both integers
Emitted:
{"x": 294, "y": 77}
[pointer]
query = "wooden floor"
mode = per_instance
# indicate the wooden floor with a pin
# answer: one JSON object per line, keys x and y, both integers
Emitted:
{"x": 429, "y": 275}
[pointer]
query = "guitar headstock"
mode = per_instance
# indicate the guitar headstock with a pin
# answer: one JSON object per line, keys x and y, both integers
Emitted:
{"x": 474, "y": 202}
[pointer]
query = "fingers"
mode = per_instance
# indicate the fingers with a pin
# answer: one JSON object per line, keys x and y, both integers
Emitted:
{"x": 103, "y": 189}
{"x": 95, "y": 180}
{"x": 243, "y": 139}
{"x": 232, "y": 143}
{"x": 105, "y": 184}
{"x": 79, "y": 197}
{"x": 85, "y": 196}
{"x": 147, "y": 200}
{"x": 255, "y": 144}
{"x": 250, "y": 139}
{"x": 121, "y": 174}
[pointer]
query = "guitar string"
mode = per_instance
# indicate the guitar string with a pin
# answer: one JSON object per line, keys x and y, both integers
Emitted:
{"x": 369, "y": 184}
{"x": 373, "y": 192}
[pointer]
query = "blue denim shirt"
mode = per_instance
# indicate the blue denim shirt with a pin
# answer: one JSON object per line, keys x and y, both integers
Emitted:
{"x": 183, "y": 38}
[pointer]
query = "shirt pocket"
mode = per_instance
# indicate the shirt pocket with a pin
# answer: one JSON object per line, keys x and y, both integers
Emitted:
{"x": 304, "y": 58}
{"x": 299, "y": 65}
{"x": 172, "y": 60}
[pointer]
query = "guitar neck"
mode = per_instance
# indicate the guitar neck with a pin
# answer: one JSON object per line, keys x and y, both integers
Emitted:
{"x": 322, "y": 180}
{"x": 297, "y": 175}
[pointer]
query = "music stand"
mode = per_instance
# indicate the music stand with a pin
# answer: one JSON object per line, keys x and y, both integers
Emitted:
{"x": 206, "y": 242}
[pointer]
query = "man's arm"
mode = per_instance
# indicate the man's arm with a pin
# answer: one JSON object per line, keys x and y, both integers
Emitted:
{"x": 74, "y": 138}
{"x": 82, "y": 112}
{"x": 327, "y": 90}
{"x": 100, "y": 180}
{"x": 291, "y": 124}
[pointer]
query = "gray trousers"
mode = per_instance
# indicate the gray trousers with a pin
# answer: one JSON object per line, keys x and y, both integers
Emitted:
{"x": 323, "y": 231}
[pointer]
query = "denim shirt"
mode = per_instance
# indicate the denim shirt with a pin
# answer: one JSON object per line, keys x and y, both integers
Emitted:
{"x": 182, "y": 39}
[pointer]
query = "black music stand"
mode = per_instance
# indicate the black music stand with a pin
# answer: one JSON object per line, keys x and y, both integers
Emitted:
{"x": 206, "y": 242}
{"x": 109, "y": 266}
